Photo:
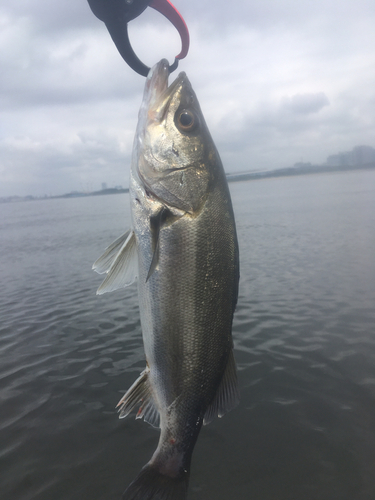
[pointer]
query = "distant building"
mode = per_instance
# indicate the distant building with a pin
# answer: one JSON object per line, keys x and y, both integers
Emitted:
{"x": 363, "y": 155}
{"x": 302, "y": 164}
{"x": 360, "y": 155}
{"x": 104, "y": 186}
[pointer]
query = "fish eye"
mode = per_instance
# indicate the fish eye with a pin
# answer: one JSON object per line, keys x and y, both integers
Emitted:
{"x": 186, "y": 120}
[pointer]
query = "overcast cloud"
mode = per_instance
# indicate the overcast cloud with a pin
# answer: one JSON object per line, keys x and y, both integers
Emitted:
{"x": 278, "y": 81}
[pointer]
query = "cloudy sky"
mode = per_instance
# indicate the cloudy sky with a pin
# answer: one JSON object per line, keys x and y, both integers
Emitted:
{"x": 279, "y": 81}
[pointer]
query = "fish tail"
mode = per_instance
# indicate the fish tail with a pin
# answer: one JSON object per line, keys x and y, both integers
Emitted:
{"x": 150, "y": 484}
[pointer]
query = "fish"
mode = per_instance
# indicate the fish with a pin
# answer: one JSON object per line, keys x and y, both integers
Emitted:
{"x": 183, "y": 250}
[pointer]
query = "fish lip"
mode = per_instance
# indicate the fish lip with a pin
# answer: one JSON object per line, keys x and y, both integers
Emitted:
{"x": 163, "y": 98}
{"x": 157, "y": 79}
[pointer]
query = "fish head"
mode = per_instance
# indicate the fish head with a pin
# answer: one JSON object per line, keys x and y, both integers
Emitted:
{"x": 176, "y": 155}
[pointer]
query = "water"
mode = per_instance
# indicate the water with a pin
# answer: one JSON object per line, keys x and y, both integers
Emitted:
{"x": 304, "y": 342}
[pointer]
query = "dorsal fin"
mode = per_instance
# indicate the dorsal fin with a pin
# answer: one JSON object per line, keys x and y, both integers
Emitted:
{"x": 227, "y": 396}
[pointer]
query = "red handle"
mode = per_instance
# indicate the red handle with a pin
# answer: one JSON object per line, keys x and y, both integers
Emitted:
{"x": 171, "y": 13}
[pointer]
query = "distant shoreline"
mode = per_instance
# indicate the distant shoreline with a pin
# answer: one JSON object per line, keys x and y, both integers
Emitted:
{"x": 73, "y": 194}
{"x": 297, "y": 170}
{"x": 94, "y": 193}
{"x": 302, "y": 169}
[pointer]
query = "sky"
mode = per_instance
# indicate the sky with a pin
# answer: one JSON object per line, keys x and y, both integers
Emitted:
{"x": 279, "y": 82}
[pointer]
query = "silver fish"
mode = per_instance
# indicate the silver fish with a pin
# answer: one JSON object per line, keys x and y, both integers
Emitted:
{"x": 183, "y": 249}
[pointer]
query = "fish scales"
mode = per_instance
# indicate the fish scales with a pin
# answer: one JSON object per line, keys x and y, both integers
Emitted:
{"x": 183, "y": 244}
{"x": 185, "y": 314}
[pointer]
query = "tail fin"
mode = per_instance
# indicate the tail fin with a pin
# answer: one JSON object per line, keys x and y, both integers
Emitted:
{"x": 150, "y": 484}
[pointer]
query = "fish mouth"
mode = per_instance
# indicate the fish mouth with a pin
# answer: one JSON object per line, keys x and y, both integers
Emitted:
{"x": 159, "y": 94}
{"x": 157, "y": 82}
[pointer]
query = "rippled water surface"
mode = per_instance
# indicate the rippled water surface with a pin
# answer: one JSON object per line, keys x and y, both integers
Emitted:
{"x": 304, "y": 338}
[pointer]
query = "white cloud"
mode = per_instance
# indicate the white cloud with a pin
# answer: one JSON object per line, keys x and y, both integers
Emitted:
{"x": 305, "y": 103}
{"x": 277, "y": 82}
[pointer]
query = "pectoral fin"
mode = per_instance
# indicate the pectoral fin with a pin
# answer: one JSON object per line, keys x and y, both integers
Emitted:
{"x": 105, "y": 261}
{"x": 123, "y": 268}
{"x": 156, "y": 223}
{"x": 155, "y": 259}
{"x": 227, "y": 396}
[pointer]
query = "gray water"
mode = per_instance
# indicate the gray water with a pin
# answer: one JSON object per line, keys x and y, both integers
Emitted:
{"x": 304, "y": 342}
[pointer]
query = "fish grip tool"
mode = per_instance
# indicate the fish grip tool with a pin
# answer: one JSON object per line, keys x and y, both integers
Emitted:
{"x": 116, "y": 14}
